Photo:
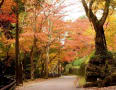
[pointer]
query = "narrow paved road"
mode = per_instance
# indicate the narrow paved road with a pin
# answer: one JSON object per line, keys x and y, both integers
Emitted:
{"x": 62, "y": 83}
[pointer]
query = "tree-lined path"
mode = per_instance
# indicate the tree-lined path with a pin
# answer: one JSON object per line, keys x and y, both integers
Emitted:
{"x": 40, "y": 39}
{"x": 62, "y": 83}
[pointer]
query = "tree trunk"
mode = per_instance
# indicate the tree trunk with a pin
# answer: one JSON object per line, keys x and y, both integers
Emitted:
{"x": 34, "y": 42}
{"x": 59, "y": 68}
{"x": 98, "y": 66}
{"x": 43, "y": 69}
{"x": 21, "y": 73}
{"x": 23, "y": 65}
{"x": 46, "y": 62}
{"x": 100, "y": 41}
{"x": 19, "y": 79}
{"x": 32, "y": 64}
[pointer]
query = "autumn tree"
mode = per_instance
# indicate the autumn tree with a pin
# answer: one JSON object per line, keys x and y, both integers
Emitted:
{"x": 100, "y": 41}
{"x": 17, "y": 9}
{"x": 91, "y": 7}
{"x": 45, "y": 22}
{"x": 51, "y": 15}
{"x": 10, "y": 14}
{"x": 110, "y": 32}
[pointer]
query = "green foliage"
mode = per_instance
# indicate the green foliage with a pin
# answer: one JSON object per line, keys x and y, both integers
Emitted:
{"x": 106, "y": 55}
{"x": 82, "y": 17}
{"x": 37, "y": 73}
{"x": 4, "y": 48}
{"x": 78, "y": 66}
{"x": 78, "y": 62}
{"x": 81, "y": 70}
{"x": 1, "y": 45}
{"x": 114, "y": 55}
{"x": 81, "y": 81}
{"x": 67, "y": 67}
{"x": 82, "y": 62}
{"x": 39, "y": 1}
{"x": 20, "y": 6}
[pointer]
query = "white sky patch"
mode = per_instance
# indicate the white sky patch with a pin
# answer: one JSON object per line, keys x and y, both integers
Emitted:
{"x": 99, "y": 14}
{"x": 73, "y": 11}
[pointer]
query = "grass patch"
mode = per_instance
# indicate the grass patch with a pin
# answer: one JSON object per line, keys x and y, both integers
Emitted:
{"x": 81, "y": 81}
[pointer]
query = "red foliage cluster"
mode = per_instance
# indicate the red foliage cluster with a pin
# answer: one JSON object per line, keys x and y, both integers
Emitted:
{"x": 6, "y": 17}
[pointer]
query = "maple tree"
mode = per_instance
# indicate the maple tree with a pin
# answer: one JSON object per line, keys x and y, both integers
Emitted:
{"x": 78, "y": 41}
{"x": 43, "y": 26}
{"x": 10, "y": 11}
{"x": 7, "y": 17}
{"x": 35, "y": 34}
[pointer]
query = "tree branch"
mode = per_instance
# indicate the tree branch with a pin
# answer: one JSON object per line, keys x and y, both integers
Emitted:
{"x": 85, "y": 7}
{"x": 91, "y": 3}
{"x": 88, "y": 10}
{"x": 105, "y": 13}
{"x": 1, "y": 3}
{"x": 91, "y": 14}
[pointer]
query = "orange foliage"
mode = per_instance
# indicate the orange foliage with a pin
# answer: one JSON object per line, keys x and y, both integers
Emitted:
{"x": 7, "y": 6}
{"x": 76, "y": 41}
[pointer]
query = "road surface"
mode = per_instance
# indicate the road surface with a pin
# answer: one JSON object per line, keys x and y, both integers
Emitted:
{"x": 62, "y": 83}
